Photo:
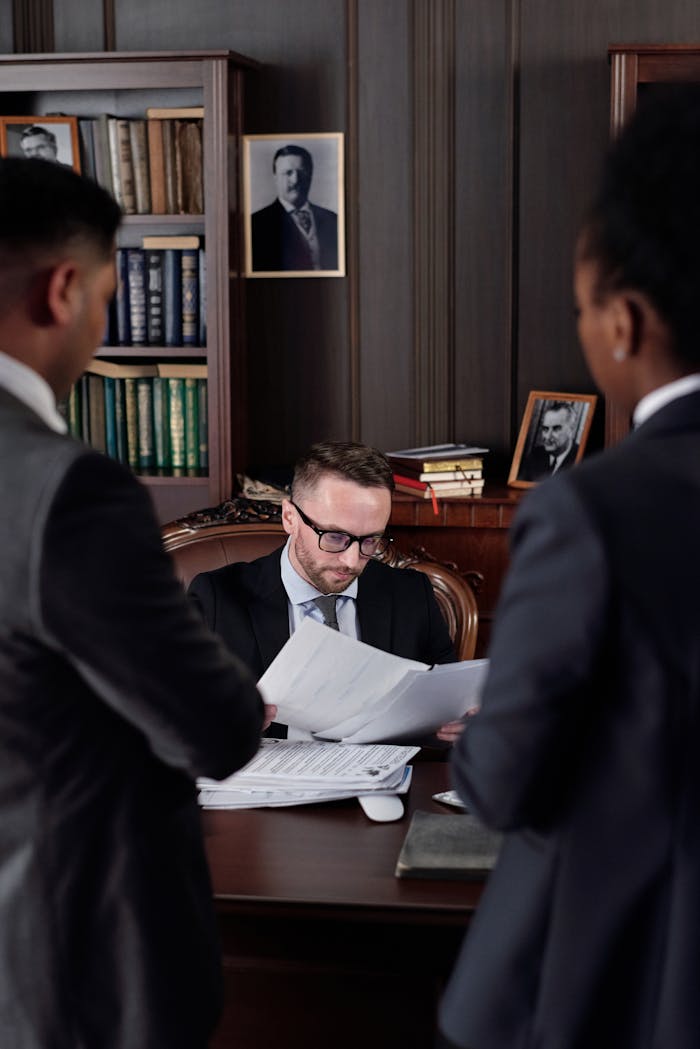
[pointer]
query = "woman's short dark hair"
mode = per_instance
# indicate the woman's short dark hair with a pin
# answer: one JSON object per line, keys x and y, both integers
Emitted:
{"x": 347, "y": 459}
{"x": 643, "y": 230}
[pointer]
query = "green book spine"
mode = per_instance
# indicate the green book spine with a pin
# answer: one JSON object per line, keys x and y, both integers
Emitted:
{"x": 191, "y": 426}
{"x": 144, "y": 405}
{"x": 176, "y": 405}
{"x": 161, "y": 423}
{"x": 74, "y": 411}
{"x": 132, "y": 423}
{"x": 120, "y": 422}
{"x": 96, "y": 394}
{"x": 203, "y": 421}
{"x": 110, "y": 417}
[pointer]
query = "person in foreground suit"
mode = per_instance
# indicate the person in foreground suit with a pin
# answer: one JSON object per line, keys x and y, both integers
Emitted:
{"x": 113, "y": 694}
{"x": 292, "y": 233}
{"x": 558, "y": 449}
{"x": 335, "y": 520}
{"x": 585, "y": 748}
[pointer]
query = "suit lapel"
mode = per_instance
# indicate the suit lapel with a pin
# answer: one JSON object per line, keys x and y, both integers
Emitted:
{"x": 374, "y": 609}
{"x": 269, "y": 613}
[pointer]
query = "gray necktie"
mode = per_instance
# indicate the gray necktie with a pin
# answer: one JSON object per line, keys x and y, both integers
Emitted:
{"x": 327, "y": 606}
{"x": 304, "y": 221}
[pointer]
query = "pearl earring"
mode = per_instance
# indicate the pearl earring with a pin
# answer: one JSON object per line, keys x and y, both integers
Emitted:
{"x": 619, "y": 354}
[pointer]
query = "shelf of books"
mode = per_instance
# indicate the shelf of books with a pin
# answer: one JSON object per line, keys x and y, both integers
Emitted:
{"x": 161, "y": 131}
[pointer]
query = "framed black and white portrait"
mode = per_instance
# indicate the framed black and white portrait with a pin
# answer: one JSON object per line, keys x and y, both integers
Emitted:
{"x": 293, "y": 198}
{"x": 553, "y": 435}
{"x": 48, "y": 138}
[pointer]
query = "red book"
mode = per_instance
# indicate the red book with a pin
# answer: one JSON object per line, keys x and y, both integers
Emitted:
{"x": 419, "y": 487}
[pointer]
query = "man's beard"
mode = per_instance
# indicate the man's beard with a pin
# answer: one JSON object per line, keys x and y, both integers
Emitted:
{"x": 322, "y": 579}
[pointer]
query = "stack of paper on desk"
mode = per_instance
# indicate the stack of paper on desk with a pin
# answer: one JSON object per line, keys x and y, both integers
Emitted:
{"x": 341, "y": 689}
{"x": 288, "y": 773}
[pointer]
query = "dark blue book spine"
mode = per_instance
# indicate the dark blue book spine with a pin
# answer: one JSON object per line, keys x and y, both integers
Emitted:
{"x": 154, "y": 267}
{"x": 190, "y": 296}
{"x": 172, "y": 296}
{"x": 136, "y": 264}
{"x": 202, "y": 298}
{"x": 122, "y": 300}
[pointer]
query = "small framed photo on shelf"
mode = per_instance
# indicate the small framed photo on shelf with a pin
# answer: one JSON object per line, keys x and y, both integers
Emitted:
{"x": 552, "y": 436}
{"x": 48, "y": 138}
{"x": 293, "y": 199}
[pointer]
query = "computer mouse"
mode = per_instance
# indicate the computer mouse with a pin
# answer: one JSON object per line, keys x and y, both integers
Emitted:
{"x": 382, "y": 808}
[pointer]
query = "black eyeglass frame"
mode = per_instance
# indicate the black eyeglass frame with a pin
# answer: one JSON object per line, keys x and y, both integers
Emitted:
{"x": 386, "y": 540}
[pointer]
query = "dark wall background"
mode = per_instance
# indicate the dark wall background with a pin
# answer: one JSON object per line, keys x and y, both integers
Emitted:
{"x": 474, "y": 133}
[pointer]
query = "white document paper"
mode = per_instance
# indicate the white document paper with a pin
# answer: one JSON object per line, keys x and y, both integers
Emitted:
{"x": 341, "y": 689}
{"x": 282, "y": 765}
{"x": 232, "y": 798}
{"x": 321, "y": 677}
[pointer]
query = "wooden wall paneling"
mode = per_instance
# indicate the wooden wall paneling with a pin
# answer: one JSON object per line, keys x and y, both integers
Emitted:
{"x": 484, "y": 178}
{"x": 563, "y": 134}
{"x": 565, "y": 100}
{"x": 79, "y": 26}
{"x": 352, "y": 220}
{"x": 433, "y": 218}
{"x": 383, "y": 207}
{"x": 33, "y": 26}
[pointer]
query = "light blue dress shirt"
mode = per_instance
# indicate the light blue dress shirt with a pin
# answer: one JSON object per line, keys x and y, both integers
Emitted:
{"x": 300, "y": 597}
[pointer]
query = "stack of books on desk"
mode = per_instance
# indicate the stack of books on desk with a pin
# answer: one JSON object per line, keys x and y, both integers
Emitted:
{"x": 445, "y": 470}
{"x": 286, "y": 772}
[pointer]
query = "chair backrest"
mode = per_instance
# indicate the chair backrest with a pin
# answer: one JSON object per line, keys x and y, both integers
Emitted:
{"x": 211, "y": 546}
{"x": 204, "y": 547}
{"x": 454, "y": 595}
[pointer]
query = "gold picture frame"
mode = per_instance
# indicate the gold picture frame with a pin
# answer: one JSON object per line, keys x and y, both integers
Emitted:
{"x": 50, "y": 138}
{"x": 293, "y": 202}
{"x": 552, "y": 437}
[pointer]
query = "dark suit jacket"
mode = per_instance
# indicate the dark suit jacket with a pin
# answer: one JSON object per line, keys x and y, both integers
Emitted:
{"x": 585, "y": 752}
{"x": 113, "y": 697}
{"x": 536, "y": 465}
{"x": 278, "y": 243}
{"x": 246, "y": 604}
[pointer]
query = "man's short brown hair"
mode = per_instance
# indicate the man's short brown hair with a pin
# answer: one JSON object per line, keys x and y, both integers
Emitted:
{"x": 347, "y": 459}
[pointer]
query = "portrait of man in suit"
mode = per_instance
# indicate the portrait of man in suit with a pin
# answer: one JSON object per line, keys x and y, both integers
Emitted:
{"x": 552, "y": 436}
{"x": 294, "y": 235}
{"x": 51, "y": 139}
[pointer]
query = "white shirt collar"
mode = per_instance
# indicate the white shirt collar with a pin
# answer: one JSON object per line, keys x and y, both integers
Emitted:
{"x": 28, "y": 387}
{"x": 298, "y": 590}
{"x": 289, "y": 208}
{"x": 659, "y": 398}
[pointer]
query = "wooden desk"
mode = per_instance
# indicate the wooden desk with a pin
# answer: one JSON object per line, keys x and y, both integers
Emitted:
{"x": 323, "y": 947}
{"x": 470, "y": 533}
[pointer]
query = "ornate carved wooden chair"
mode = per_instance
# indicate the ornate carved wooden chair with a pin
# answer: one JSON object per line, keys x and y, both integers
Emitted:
{"x": 206, "y": 540}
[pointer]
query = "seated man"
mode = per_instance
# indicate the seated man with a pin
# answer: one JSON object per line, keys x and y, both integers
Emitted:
{"x": 335, "y": 520}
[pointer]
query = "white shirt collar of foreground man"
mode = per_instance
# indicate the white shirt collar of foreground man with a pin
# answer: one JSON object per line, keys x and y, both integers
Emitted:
{"x": 29, "y": 388}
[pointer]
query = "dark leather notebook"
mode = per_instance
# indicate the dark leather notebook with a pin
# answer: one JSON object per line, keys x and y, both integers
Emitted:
{"x": 454, "y": 846}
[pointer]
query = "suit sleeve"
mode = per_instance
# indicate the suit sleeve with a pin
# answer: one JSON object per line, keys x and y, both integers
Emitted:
{"x": 109, "y": 599}
{"x": 549, "y": 628}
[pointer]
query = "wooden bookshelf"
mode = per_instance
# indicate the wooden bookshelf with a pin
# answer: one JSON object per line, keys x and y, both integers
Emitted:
{"x": 125, "y": 84}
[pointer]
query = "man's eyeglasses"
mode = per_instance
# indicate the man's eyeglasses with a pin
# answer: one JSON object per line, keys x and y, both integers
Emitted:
{"x": 337, "y": 542}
